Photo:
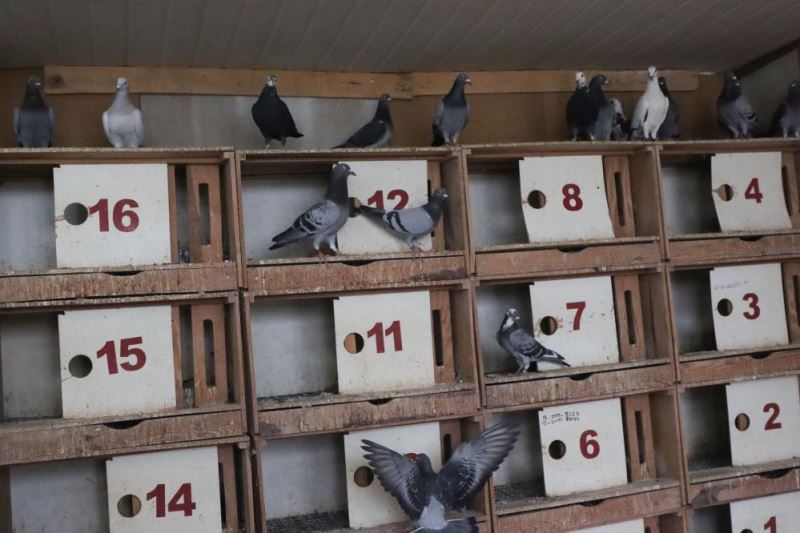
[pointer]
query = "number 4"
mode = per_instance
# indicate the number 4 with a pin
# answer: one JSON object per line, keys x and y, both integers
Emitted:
{"x": 752, "y": 192}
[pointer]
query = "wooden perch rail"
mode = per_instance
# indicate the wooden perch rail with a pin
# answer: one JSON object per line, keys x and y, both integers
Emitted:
{"x": 245, "y": 82}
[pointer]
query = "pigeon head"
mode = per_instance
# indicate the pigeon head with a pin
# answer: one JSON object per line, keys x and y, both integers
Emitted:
{"x": 580, "y": 80}
{"x": 732, "y": 87}
{"x": 662, "y": 84}
{"x": 33, "y": 83}
{"x": 617, "y": 107}
{"x": 440, "y": 194}
{"x": 122, "y": 83}
{"x": 272, "y": 81}
{"x": 510, "y": 319}
{"x": 342, "y": 170}
{"x": 652, "y": 72}
{"x": 599, "y": 80}
{"x": 794, "y": 92}
{"x": 423, "y": 462}
{"x": 385, "y": 98}
{"x": 463, "y": 79}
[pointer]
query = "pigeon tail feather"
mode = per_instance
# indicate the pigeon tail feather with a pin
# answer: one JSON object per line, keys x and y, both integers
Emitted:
{"x": 467, "y": 525}
{"x": 286, "y": 237}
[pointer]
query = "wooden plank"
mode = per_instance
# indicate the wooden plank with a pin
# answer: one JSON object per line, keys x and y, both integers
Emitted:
{"x": 743, "y": 487}
{"x": 630, "y": 326}
{"x": 209, "y": 391}
{"x": 173, "y": 214}
{"x": 617, "y": 177}
{"x": 545, "y": 81}
{"x": 639, "y": 437}
{"x": 204, "y": 248}
{"x": 177, "y": 356}
{"x": 5, "y": 499}
{"x": 791, "y": 187}
{"x": 244, "y": 82}
{"x": 440, "y": 301}
{"x": 791, "y": 292}
{"x": 229, "y": 492}
{"x": 667, "y": 440}
{"x": 726, "y": 249}
{"x": 739, "y": 368}
{"x": 434, "y": 182}
{"x": 246, "y": 487}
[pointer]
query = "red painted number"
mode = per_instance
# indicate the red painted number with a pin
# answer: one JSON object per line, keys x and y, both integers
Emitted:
{"x": 755, "y": 310}
{"x": 399, "y": 194}
{"x": 772, "y": 421}
{"x": 180, "y": 502}
{"x": 578, "y": 307}
{"x": 124, "y": 218}
{"x": 378, "y": 332}
{"x": 771, "y": 525}
{"x": 572, "y": 197}
{"x": 752, "y": 192}
{"x": 590, "y": 448}
{"x": 126, "y": 349}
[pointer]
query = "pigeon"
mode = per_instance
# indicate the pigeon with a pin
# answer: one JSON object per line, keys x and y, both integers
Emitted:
{"x": 272, "y": 116}
{"x": 34, "y": 120}
{"x": 522, "y": 346}
{"x": 604, "y": 123}
{"x": 324, "y": 219}
{"x": 122, "y": 121}
{"x": 734, "y": 113}
{"x": 651, "y": 109}
{"x": 376, "y": 133}
{"x": 670, "y": 128}
{"x": 413, "y": 223}
{"x": 452, "y": 113}
{"x": 622, "y": 126}
{"x": 786, "y": 121}
{"x": 582, "y": 110}
{"x": 425, "y": 495}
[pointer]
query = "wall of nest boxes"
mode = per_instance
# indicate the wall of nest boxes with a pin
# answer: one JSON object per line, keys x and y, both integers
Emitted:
{"x": 89, "y": 378}
{"x": 359, "y": 359}
{"x": 277, "y": 185}
{"x": 93, "y": 223}
{"x": 341, "y": 492}
{"x": 205, "y": 485}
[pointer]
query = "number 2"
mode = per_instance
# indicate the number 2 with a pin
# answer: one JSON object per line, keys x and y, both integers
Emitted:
{"x": 175, "y": 504}
{"x": 752, "y": 192}
{"x": 578, "y": 307}
{"x": 772, "y": 422}
{"x": 755, "y": 310}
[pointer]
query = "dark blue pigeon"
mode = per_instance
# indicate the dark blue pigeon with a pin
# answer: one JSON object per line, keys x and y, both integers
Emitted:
{"x": 272, "y": 116}
{"x": 34, "y": 120}
{"x": 376, "y": 133}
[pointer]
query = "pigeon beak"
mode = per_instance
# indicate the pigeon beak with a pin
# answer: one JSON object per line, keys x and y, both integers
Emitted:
{"x": 351, "y": 173}
{"x": 607, "y": 82}
{"x": 38, "y": 85}
{"x": 468, "y": 81}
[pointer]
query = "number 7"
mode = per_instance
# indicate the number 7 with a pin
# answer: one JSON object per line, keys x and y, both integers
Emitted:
{"x": 578, "y": 307}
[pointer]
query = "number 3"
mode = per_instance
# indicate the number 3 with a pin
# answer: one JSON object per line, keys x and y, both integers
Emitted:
{"x": 755, "y": 310}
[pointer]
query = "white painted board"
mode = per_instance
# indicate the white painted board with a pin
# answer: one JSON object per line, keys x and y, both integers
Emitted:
{"x": 758, "y": 315}
{"x": 575, "y": 207}
{"x": 397, "y": 352}
{"x": 772, "y": 514}
{"x": 178, "y": 490}
{"x": 586, "y": 326}
{"x": 756, "y": 181}
{"x": 128, "y": 215}
{"x": 372, "y": 506}
{"x": 387, "y": 185}
{"x": 631, "y": 526}
{"x": 772, "y": 408}
{"x": 131, "y": 355}
{"x": 594, "y": 446}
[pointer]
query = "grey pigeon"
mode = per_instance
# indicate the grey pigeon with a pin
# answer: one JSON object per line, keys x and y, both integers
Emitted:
{"x": 622, "y": 126}
{"x": 735, "y": 115}
{"x": 122, "y": 121}
{"x": 34, "y": 120}
{"x": 522, "y": 346}
{"x": 324, "y": 219}
{"x": 604, "y": 123}
{"x": 426, "y": 495}
{"x": 272, "y": 116}
{"x": 410, "y": 224}
{"x": 651, "y": 109}
{"x": 376, "y": 133}
{"x": 670, "y": 128}
{"x": 582, "y": 110}
{"x": 452, "y": 113}
{"x": 786, "y": 121}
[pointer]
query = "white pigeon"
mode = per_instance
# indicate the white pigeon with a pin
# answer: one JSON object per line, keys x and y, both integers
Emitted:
{"x": 122, "y": 121}
{"x": 651, "y": 109}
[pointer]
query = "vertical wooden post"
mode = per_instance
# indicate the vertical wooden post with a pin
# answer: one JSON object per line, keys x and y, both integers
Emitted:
{"x": 202, "y": 249}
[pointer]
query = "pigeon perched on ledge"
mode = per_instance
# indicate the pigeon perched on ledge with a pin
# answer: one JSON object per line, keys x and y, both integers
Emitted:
{"x": 122, "y": 122}
{"x": 670, "y": 129}
{"x": 324, "y": 219}
{"x": 735, "y": 115}
{"x": 34, "y": 120}
{"x": 376, "y": 133}
{"x": 606, "y": 113}
{"x": 272, "y": 116}
{"x": 410, "y": 224}
{"x": 425, "y": 495}
{"x": 582, "y": 110}
{"x": 522, "y": 346}
{"x": 651, "y": 109}
{"x": 786, "y": 121}
{"x": 452, "y": 113}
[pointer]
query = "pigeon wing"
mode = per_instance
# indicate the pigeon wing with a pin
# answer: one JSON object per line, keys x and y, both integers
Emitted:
{"x": 16, "y": 124}
{"x": 138, "y": 127}
{"x": 414, "y": 221}
{"x": 105, "y": 125}
{"x": 318, "y": 218}
{"x": 472, "y": 463}
{"x": 439, "y": 114}
{"x": 288, "y": 120}
{"x": 369, "y": 134}
{"x": 399, "y": 475}
{"x": 52, "y": 116}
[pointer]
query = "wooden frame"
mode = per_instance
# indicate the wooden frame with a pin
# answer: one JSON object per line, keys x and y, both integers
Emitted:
{"x": 454, "y": 431}
{"x": 369, "y": 271}
{"x": 655, "y": 487}
{"x": 209, "y": 262}
{"x": 216, "y": 410}
{"x": 235, "y": 480}
{"x": 646, "y": 358}
{"x": 631, "y": 182}
{"x": 456, "y": 392}
{"x": 711, "y": 247}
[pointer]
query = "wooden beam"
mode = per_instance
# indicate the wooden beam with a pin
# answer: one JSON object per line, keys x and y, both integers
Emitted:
{"x": 766, "y": 59}
{"x": 244, "y": 82}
